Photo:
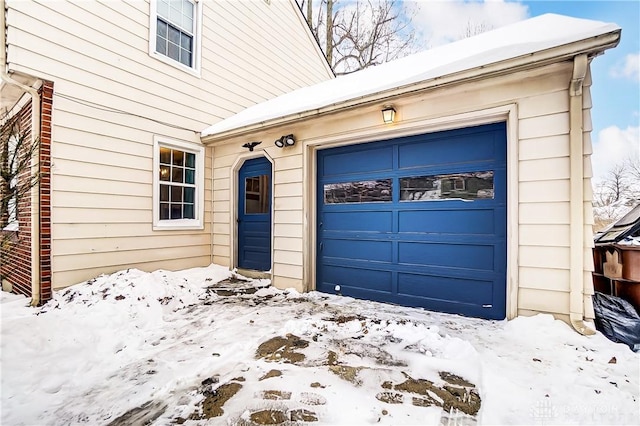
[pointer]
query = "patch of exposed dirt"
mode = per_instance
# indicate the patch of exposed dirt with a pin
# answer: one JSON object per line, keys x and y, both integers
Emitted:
{"x": 390, "y": 397}
{"x": 425, "y": 401}
{"x": 465, "y": 399}
{"x": 302, "y": 415}
{"x": 269, "y": 417}
{"x": 282, "y": 349}
{"x": 455, "y": 380}
{"x": 317, "y": 385}
{"x": 348, "y": 373}
{"x": 214, "y": 400}
{"x": 275, "y": 394}
{"x": 332, "y": 358}
{"x": 270, "y": 374}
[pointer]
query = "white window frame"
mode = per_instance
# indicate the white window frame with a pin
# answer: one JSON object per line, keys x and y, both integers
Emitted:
{"x": 197, "y": 39}
{"x": 199, "y": 151}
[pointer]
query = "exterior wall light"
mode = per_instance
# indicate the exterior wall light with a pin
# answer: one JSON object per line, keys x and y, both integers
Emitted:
{"x": 388, "y": 114}
{"x": 287, "y": 140}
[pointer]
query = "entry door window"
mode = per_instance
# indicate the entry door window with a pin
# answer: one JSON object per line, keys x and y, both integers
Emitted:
{"x": 256, "y": 194}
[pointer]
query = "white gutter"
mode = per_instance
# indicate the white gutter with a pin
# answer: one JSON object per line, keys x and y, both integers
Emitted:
{"x": 35, "y": 161}
{"x": 576, "y": 270}
{"x": 537, "y": 59}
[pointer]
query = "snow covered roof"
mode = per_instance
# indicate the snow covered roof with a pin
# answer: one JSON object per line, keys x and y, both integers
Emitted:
{"x": 516, "y": 40}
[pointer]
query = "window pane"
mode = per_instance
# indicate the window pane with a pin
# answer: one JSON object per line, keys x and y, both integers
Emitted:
{"x": 165, "y": 155}
{"x": 173, "y": 51}
{"x": 161, "y": 45}
{"x": 191, "y": 160}
{"x": 163, "y": 8}
{"x": 187, "y": 8}
{"x": 467, "y": 186}
{"x": 187, "y": 24}
{"x": 176, "y": 194}
{"x": 185, "y": 57}
{"x": 176, "y": 211}
{"x": 177, "y": 174}
{"x": 185, "y": 41}
{"x": 164, "y": 211}
{"x": 256, "y": 198}
{"x": 366, "y": 191}
{"x": 161, "y": 28}
{"x": 174, "y": 35}
{"x": 189, "y": 212}
{"x": 189, "y": 195}
{"x": 164, "y": 173}
{"x": 178, "y": 157}
{"x": 164, "y": 192}
{"x": 189, "y": 176}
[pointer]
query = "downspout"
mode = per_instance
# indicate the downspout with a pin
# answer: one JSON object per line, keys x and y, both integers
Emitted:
{"x": 576, "y": 289}
{"x": 35, "y": 163}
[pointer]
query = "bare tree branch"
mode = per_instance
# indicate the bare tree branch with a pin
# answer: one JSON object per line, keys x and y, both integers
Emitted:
{"x": 363, "y": 33}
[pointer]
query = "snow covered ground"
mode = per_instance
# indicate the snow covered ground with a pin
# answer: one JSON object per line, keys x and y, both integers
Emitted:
{"x": 161, "y": 347}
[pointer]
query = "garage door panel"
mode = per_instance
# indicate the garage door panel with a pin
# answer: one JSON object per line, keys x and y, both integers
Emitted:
{"x": 372, "y": 221}
{"x": 340, "y": 275}
{"x": 452, "y": 255}
{"x": 447, "y": 150}
{"x": 345, "y": 163}
{"x": 377, "y": 251}
{"x": 449, "y": 289}
{"x": 447, "y": 221}
{"x": 418, "y": 221}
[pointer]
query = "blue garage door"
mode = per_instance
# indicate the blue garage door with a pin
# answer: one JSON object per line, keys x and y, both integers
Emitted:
{"x": 417, "y": 221}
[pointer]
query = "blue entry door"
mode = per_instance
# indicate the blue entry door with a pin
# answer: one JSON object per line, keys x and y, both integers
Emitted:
{"x": 417, "y": 221}
{"x": 254, "y": 215}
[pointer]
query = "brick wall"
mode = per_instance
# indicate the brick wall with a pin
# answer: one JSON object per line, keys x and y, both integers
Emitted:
{"x": 16, "y": 264}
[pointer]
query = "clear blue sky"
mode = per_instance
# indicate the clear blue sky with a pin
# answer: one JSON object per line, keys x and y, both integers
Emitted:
{"x": 616, "y": 99}
{"x": 616, "y": 79}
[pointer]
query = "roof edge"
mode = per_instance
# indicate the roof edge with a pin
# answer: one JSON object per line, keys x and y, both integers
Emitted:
{"x": 591, "y": 46}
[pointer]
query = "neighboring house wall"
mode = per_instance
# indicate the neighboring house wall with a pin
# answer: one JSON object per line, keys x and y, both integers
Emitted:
{"x": 534, "y": 103}
{"x": 114, "y": 99}
{"x": 17, "y": 255}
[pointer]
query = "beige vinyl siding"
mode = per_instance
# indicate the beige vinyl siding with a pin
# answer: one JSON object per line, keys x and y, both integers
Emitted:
{"x": 112, "y": 97}
{"x": 541, "y": 129}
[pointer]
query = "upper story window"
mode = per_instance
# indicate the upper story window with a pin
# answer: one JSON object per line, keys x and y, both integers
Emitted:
{"x": 175, "y": 32}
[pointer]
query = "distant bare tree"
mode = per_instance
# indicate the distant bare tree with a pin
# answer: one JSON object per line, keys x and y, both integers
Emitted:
{"x": 616, "y": 182}
{"x": 617, "y": 192}
{"x": 362, "y": 33}
{"x": 475, "y": 28}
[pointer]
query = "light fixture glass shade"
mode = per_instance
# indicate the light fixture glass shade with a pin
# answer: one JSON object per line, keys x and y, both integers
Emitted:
{"x": 388, "y": 114}
{"x": 280, "y": 142}
{"x": 289, "y": 140}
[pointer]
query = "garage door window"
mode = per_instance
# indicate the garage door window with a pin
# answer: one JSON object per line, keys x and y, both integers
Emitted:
{"x": 366, "y": 191}
{"x": 466, "y": 186}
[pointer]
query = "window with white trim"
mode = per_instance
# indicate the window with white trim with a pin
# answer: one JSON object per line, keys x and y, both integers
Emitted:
{"x": 178, "y": 184}
{"x": 174, "y": 36}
